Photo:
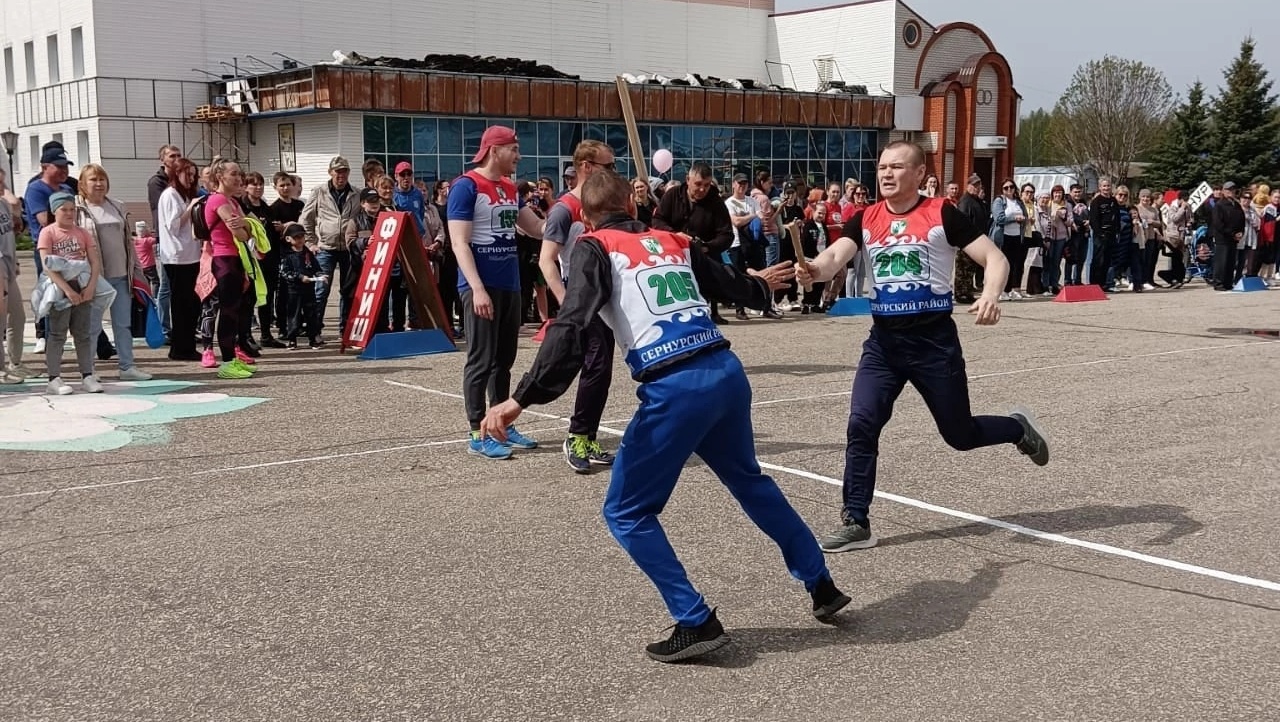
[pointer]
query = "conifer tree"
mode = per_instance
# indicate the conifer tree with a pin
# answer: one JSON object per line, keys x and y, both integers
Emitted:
{"x": 1181, "y": 160}
{"x": 1246, "y": 127}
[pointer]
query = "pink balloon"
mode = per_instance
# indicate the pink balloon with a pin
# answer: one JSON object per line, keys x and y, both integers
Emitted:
{"x": 662, "y": 160}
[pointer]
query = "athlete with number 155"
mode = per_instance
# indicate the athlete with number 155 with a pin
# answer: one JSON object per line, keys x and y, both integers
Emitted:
{"x": 911, "y": 244}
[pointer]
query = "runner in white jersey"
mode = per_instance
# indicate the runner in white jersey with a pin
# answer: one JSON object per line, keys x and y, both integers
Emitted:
{"x": 652, "y": 289}
{"x": 911, "y": 243}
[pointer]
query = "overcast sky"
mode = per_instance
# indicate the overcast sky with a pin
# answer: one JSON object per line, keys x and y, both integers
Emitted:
{"x": 1187, "y": 39}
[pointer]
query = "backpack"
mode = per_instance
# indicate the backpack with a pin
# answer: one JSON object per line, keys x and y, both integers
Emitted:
{"x": 199, "y": 226}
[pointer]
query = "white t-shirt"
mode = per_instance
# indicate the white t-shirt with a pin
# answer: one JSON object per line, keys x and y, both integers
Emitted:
{"x": 738, "y": 208}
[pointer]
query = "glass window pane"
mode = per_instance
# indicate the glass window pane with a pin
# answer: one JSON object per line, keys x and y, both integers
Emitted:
{"x": 424, "y": 168}
{"x": 799, "y": 144}
{"x": 471, "y": 132}
{"x": 527, "y": 168}
{"x": 616, "y": 137}
{"x": 570, "y": 136}
{"x": 701, "y": 147}
{"x": 835, "y": 145}
{"x": 852, "y": 144}
{"x": 450, "y": 135}
{"x": 451, "y": 166}
{"x": 593, "y": 131}
{"x": 375, "y": 133}
{"x": 682, "y": 141}
{"x": 399, "y": 135}
{"x": 424, "y": 136}
{"x": 660, "y": 136}
{"x": 527, "y": 132}
{"x": 546, "y": 139}
{"x": 781, "y": 172}
{"x": 549, "y": 167}
{"x": 781, "y": 143}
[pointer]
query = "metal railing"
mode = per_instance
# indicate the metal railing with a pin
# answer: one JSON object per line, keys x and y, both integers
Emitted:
{"x": 98, "y": 96}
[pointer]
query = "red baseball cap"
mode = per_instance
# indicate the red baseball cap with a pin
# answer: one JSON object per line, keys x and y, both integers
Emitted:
{"x": 403, "y": 166}
{"x": 494, "y": 135}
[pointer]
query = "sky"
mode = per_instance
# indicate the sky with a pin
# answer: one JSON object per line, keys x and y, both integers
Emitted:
{"x": 1187, "y": 39}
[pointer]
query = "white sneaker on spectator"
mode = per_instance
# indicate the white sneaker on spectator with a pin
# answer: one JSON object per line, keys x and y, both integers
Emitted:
{"x": 91, "y": 384}
{"x": 1004, "y": 297}
{"x": 1148, "y": 287}
{"x": 134, "y": 374}
{"x": 39, "y": 346}
{"x": 57, "y": 388}
{"x": 21, "y": 371}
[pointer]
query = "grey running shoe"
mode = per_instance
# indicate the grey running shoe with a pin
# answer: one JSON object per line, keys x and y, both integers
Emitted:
{"x": 827, "y": 599}
{"x": 1033, "y": 443}
{"x": 846, "y": 538}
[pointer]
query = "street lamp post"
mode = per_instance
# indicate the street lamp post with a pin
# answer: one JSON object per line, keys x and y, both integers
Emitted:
{"x": 10, "y": 140}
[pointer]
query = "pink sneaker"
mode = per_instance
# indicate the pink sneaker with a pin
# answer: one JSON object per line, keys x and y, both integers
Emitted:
{"x": 245, "y": 357}
{"x": 207, "y": 359}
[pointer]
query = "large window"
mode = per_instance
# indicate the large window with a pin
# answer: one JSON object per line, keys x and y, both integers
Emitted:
{"x": 10, "y": 85}
{"x": 441, "y": 147}
{"x": 55, "y": 72}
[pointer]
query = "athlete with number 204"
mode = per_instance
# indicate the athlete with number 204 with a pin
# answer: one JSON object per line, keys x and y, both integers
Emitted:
{"x": 911, "y": 243}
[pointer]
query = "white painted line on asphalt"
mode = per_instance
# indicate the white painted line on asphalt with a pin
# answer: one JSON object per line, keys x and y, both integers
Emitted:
{"x": 245, "y": 467}
{"x": 1016, "y": 528}
{"x": 1037, "y": 369}
{"x": 1044, "y": 535}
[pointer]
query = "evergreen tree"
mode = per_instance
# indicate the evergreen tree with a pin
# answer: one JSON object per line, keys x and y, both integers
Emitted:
{"x": 1246, "y": 128}
{"x": 1181, "y": 159}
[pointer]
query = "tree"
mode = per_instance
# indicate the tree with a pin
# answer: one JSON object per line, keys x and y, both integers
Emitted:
{"x": 1245, "y": 125}
{"x": 1181, "y": 157}
{"x": 1034, "y": 146}
{"x": 1106, "y": 116}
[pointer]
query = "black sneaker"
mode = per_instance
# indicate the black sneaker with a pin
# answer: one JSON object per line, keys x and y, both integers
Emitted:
{"x": 597, "y": 454}
{"x": 848, "y": 536}
{"x": 577, "y": 453}
{"x": 1033, "y": 442}
{"x": 271, "y": 342}
{"x": 827, "y": 600}
{"x": 291, "y": 345}
{"x": 316, "y": 342}
{"x": 689, "y": 642}
{"x": 251, "y": 344}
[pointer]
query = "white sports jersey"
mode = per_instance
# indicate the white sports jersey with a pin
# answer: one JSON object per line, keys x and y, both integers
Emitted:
{"x": 657, "y": 312}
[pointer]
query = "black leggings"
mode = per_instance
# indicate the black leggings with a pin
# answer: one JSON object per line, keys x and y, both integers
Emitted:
{"x": 234, "y": 303}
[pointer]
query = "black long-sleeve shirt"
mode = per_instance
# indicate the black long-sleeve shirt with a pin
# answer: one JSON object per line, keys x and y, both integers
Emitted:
{"x": 1226, "y": 220}
{"x": 707, "y": 220}
{"x": 590, "y": 289}
{"x": 1104, "y": 217}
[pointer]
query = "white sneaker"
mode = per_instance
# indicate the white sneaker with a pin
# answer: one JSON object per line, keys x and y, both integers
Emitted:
{"x": 9, "y": 380}
{"x": 39, "y": 346}
{"x": 1148, "y": 287}
{"x": 134, "y": 374}
{"x": 91, "y": 385}
{"x": 21, "y": 371}
{"x": 57, "y": 388}
{"x": 1004, "y": 297}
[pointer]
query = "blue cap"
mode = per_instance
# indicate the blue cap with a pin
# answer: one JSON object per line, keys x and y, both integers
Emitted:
{"x": 55, "y": 156}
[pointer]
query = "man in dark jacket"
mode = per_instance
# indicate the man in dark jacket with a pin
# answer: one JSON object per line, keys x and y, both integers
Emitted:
{"x": 698, "y": 211}
{"x": 1104, "y": 221}
{"x": 976, "y": 210}
{"x": 1227, "y": 225}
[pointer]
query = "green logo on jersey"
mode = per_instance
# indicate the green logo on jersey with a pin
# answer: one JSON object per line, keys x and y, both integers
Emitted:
{"x": 651, "y": 244}
{"x": 897, "y": 227}
{"x": 507, "y": 219}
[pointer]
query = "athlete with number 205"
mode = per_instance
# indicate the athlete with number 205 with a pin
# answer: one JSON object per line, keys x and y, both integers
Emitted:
{"x": 911, "y": 244}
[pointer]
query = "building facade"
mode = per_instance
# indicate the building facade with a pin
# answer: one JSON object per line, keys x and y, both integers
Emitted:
{"x": 113, "y": 86}
{"x": 953, "y": 91}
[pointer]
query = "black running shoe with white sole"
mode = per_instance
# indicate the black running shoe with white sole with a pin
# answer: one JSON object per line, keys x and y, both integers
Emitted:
{"x": 1033, "y": 443}
{"x": 827, "y": 599}
{"x": 689, "y": 642}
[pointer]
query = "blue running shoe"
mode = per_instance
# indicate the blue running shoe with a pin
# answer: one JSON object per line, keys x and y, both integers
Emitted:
{"x": 519, "y": 440}
{"x": 488, "y": 447}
